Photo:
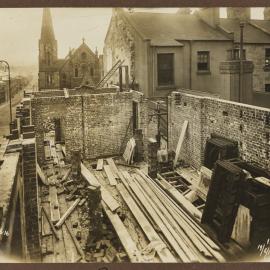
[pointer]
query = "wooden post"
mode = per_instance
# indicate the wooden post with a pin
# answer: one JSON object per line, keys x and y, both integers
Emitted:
{"x": 126, "y": 78}
{"x": 180, "y": 142}
{"x": 120, "y": 79}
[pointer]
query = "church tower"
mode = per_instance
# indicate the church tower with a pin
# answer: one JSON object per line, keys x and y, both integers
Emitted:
{"x": 47, "y": 53}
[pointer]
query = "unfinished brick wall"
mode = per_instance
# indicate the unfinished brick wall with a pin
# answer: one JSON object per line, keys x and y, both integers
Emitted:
{"x": 248, "y": 125}
{"x": 106, "y": 121}
{"x": 95, "y": 124}
{"x": 31, "y": 198}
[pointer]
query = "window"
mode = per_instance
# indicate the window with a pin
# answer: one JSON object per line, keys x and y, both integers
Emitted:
{"x": 267, "y": 87}
{"x": 83, "y": 56}
{"x": 203, "y": 61}
{"x": 64, "y": 79}
{"x": 76, "y": 72}
{"x": 92, "y": 71}
{"x": 165, "y": 65}
{"x": 267, "y": 57}
{"x": 49, "y": 79}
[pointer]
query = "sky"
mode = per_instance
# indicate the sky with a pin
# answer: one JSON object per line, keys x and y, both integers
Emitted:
{"x": 20, "y": 30}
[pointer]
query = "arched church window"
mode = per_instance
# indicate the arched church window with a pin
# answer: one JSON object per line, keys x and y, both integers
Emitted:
{"x": 76, "y": 71}
{"x": 83, "y": 56}
{"x": 92, "y": 71}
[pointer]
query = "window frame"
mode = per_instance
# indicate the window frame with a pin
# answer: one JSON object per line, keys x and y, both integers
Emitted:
{"x": 267, "y": 58}
{"x": 265, "y": 87}
{"x": 203, "y": 54}
{"x": 172, "y": 70}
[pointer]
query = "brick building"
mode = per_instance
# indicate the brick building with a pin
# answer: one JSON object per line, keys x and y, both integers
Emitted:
{"x": 183, "y": 50}
{"x": 80, "y": 67}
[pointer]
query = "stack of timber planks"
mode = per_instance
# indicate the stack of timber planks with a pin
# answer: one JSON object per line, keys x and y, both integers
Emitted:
{"x": 178, "y": 234}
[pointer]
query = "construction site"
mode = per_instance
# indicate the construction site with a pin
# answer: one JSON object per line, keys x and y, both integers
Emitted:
{"x": 106, "y": 175}
{"x": 95, "y": 170}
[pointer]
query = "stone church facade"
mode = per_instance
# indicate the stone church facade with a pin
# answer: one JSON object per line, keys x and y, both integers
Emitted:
{"x": 81, "y": 67}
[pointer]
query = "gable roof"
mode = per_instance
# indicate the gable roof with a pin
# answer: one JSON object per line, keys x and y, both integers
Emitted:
{"x": 62, "y": 62}
{"x": 252, "y": 34}
{"x": 166, "y": 27}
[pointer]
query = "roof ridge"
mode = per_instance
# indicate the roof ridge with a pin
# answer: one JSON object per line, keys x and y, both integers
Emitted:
{"x": 218, "y": 28}
{"x": 259, "y": 28}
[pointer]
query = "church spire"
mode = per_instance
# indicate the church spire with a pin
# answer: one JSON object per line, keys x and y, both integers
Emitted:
{"x": 47, "y": 32}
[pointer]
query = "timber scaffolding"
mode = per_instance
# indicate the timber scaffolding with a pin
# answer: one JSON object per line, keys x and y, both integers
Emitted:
{"x": 142, "y": 219}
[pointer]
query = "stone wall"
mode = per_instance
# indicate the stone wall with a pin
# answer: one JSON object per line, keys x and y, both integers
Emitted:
{"x": 248, "y": 125}
{"x": 95, "y": 124}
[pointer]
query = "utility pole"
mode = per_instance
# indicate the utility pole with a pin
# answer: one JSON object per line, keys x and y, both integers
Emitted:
{"x": 240, "y": 94}
{"x": 9, "y": 88}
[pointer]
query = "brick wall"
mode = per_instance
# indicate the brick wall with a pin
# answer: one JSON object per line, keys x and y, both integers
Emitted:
{"x": 31, "y": 199}
{"x": 95, "y": 124}
{"x": 106, "y": 121}
{"x": 248, "y": 125}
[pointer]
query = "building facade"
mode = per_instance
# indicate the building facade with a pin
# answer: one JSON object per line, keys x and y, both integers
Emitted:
{"x": 80, "y": 67}
{"x": 166, "y": 52}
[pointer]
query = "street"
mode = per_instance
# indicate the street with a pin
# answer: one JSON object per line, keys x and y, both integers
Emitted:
{"x": 4, "y": 113}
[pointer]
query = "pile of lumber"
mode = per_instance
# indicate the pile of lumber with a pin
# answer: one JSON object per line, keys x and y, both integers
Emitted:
{"x": 177, "y": 232}
{"x": 169, "y": 221}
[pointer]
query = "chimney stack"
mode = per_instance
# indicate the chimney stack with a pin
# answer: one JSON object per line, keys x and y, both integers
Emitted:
{"x": 209, "y": 16}
{"x": 241, "y": 13}
{"x": 266, "y": 13}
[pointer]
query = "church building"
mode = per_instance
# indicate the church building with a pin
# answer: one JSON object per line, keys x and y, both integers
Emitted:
{"x": 81, "y": 67}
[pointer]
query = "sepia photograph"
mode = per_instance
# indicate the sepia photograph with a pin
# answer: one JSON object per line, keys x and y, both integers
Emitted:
{"x": 135, "y": 135}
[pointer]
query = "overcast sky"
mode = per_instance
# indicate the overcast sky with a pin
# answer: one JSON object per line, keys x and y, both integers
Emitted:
{"x": 20, "y": 30}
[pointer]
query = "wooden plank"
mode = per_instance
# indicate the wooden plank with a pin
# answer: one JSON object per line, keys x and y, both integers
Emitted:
{"x": 54, "y": 205}
{"x": 109, "y": 200}
{"x": 180, "y": 142}
{"x": 106, "y": 196}
{"x": 99, "y": 165}
{"x": 164, "y": 253}
{"x": 113, "y": 167}
{"x": 180, "y": 214}
{"x": 128, "y": 165}
{"x": 190, "y": 240}
{"x": 75, "y": 241}
{"x": 45, "y": 225}
{"x": 70, "y": 248}
{"x": 203, "y": 238}
{"x": 89, "y": 177}
{"x": 180, "y": 199}
{"x": 110, "y": 175}
{"x": 157, "y": 219}
{"x": 41, "y": 175}
{"x": 241, "y": 228}
{"x": 263, "y": 180}
{"x": 51, "y": 225}
{"x": 67, "y": 213}
{"x": 186, "y": 252}
{"x": 124, "y": 236}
